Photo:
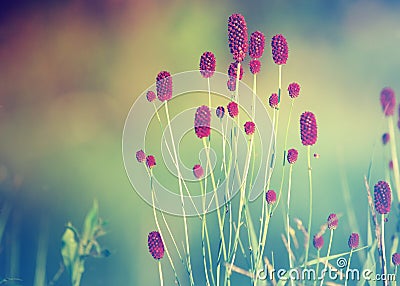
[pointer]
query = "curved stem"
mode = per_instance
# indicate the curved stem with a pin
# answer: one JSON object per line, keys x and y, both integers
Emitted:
{"x": 288, "y": 219}
{"x": 348, "y": 267}
{"x": 327, "y": 257}
{"x": 317, "y": 267}
{"x": 160, "y": 271}
{"x": 384, "y": 270}
{"x": 311, "y": 203}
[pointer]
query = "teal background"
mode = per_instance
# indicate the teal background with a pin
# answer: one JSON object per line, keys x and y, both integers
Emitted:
{"x": 70, "y": 70}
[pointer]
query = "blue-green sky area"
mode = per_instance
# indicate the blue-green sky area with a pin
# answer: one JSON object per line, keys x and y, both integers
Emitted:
{"x": 71, "y": 70}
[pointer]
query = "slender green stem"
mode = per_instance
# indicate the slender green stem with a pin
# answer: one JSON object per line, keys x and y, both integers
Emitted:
{"x": 317, "y": 267}
{"x": 311, "y": 202}
{"x": 394, "y": 156}
{"x": 288, "y": 219}
{"x": 327, "y": 257}
{"x": 348, "y": 267}
{"x": 395, "y": 275}
{"x": 160, "y": 271}
{"x": 181, "y": 195}
{"x": 384, "y": 268}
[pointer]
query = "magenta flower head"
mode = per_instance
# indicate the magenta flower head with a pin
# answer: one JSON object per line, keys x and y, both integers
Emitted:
{"x": 156, "y": 245}
{"x": 233, "y": 109}
{"x": 280, "y": 50}
{"x": 140, "y": 156}
{"x": 164, "y": 86}
{"x": 382, "y": 197}
{"x": 385, "y": 138}
{"x": 202, "y": 121}
{"x": 151, "y": 96}
{"x": 207, "y": 64}
{"x": 150, "y": 161}
{"x": 232, "y": 71}
{"x": 220, "y": 112}
{"x": 198, "y": 171}
{"x": 292, "y": 155}
{"x": 257, "y": 45}
{"x": 318, "y": 241}
{"x": 249, "y": 127}
{"x": 237, "y": 36}
{"x": 294, "y": 89}
{"x": 273, "y": 101}
{"x": 388, "y": 101}
{"x": 308, "y": 128}
{"x": 354, "y": 240}
{"x": 270, "y": 197}
{"x": 332, "y": 221}
{"x": 255, "y": 66}
{"x": 396, "y": 259}
{"x": 231, "y": 84}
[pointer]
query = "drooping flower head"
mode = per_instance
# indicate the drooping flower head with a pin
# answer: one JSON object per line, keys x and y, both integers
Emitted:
{"x": 237, "y": 36}
{"x": 396, "y": 259}
{"x": 231, "y": 84}
{"x": 207, "y": 64}
{"x": 318, "y": 241}
{"x": 273, "y": 100}
{"x": 156, "y": 245}
{"x": 354, "y": 240}
{"x": 388, "y": 101}
{"x": 150, "y": 161}
{"x": 270, "y": 197}
{"x": 280, "y": 50}
{"x": 233, "y": 109}
{"x": 151, "y": 96}
{"x": 232, "y": 71}
{"x": 164, "y": 86}
{"x": 257, "y": 45}
{"x": 249, "y": 127}
{"x": 140, "y": 156}
{"x": 220, "y": 112}
{"x": 385, "y": 138}
{"x": 255, "y": 66}
{"x": 294, "y": 89}
{"x": 198, "y": 171}
{"x": 332, "y": 221}
{"x": 202, "y": 121}
{"x": 292, "y": 155}
{"x": 382, "y": 197}
{"x": 308, "y": 128}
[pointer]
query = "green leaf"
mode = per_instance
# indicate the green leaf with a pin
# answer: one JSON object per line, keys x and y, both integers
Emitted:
{"x": 69, "y": 249}
{"x": 91, "y": 223}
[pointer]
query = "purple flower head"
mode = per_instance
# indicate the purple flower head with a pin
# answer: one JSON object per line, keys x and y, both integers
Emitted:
{"x": 332, "y": 221}
{"x": 318, "y": 241}
{"x": 257, "y": 45}
{"x": 294, "y": 89}
{"x": 391, "y": 165}
{"x": 233, "y": 109}
{"x": 237, "y": 36}
{"x": 231, "y": 84}
{"x": 140, "y": 156}
{"x": 273, "y": 101}
{"x": 249, "y": 127}
{"x": 156, "y": 245}
{"x": 308, "y": 128}
{"x": 220, "y": 112}
{"x": 270, "y": 197}
{"x": 232, "y": 71}
{"x": 385, "y": 138}
{"x": 151, "y": 96}
{"x": 292, "y": 155}
{"x": 150, "y": 161}
{"x": 255, "y": 66}
{"x": 280, "y": 50}
{"x": 396, "y": 259}
{"x": 164, "y": 86}
{"x": 207, "y": 64}
{"x": 202, "y": 121}
{"x": 354, "y": 240}
{"x": 198, "y": 171}
{"x": 388, "y": 101}
{"x": 382, "y": 197}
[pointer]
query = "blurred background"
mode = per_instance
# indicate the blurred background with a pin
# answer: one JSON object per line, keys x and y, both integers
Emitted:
{"x": 70, "y": 70}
